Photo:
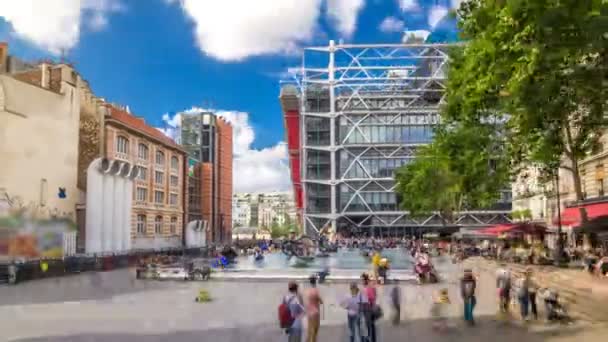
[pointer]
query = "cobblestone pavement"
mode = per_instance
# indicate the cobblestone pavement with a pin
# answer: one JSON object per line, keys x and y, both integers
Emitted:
{"x": 113, "y": 306}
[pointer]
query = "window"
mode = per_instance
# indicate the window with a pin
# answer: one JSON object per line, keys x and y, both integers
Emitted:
{"x": 159, "y": 177}
{"x": 160, "y": 158}
{"x": 122, "y": 145}
{"x": 159, "y": 197}
{"x": 173, "y": 199}
{"x": 174, "y": 163}
{"x": 174, "y": 181}
{"x": 142, "y": 152}
{"x": 173, "y": 226}
{"x": 142, "y": 194}
{"x": 158, "y": 224}
{"x": 600, "y": 187}
{"x": 143, "y": 173}
{"x": 141, "y": 224}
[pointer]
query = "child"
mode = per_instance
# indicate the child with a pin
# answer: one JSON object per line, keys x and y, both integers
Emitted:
{"x": 439, "y": 310}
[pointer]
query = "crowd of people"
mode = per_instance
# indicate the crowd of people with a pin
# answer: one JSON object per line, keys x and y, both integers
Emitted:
{"x": 363, "y": 310}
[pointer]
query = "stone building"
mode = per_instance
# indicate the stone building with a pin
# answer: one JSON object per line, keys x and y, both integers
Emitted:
{"x": 39, "y": 126}
{"x": 158, "y": 193}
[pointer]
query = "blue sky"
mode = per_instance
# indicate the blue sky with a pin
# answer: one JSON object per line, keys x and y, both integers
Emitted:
{"x": 165, "y": 56}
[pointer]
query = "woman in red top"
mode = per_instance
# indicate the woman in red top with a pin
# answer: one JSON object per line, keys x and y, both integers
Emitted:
{"x": 370, "y": 292}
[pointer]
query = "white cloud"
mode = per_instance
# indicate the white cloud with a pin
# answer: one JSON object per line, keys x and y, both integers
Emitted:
{"x": 344, "y": 13}
{"x": 232, "y": 30}
{"x": 253, "y": 170}
{"x": 436, "y": 13}
{"x": 391, "y": 24}
{"x": 55, "y": 25}
{"x": 416, "y": 34}
{"x": 409, "y": 5}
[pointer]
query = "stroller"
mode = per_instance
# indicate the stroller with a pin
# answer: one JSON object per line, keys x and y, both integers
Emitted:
{"x": 555, "y": 311}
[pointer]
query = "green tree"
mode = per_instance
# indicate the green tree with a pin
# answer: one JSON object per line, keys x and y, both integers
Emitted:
{"x": 539, "y": 67}
{"x": 460, "y": 170}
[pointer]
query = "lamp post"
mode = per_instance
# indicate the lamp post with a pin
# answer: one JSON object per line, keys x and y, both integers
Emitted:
{"x": 557, "y": 259}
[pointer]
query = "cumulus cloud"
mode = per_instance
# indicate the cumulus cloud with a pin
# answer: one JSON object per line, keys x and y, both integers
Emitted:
{"x": 232, "y": 30}
{"x": 55, "y": 25}
{"x": 409, "y": 5}
{"x": 391, "y": 24}
{"x": 254, "y": 170}
{"x": 344, "y": 13}
{"x": 436, "y": 13}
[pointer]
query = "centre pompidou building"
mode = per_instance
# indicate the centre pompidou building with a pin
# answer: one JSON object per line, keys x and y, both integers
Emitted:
{"x": 353, "y": 115}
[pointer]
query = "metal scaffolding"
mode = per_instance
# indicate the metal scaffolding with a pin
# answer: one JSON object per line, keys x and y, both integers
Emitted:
{"x": 364, "y": 111}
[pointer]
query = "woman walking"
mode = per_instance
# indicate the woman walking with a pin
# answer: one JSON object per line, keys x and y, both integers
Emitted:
{"x": 467, "y": 288}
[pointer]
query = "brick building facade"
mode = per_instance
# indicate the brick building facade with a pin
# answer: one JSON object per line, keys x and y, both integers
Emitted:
{"x": 158, "y": 191}
{"x": 208, "y": 139}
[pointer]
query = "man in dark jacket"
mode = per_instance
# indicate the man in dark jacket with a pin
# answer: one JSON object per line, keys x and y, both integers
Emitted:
{"x": 467, "y": 290}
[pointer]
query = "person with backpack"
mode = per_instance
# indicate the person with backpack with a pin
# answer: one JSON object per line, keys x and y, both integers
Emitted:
{"x": 291, "y": 312}
{"x": 467, "y": 289}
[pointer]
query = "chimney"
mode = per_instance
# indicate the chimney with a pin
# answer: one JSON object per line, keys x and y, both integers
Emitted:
{"x": 3, "y": 57}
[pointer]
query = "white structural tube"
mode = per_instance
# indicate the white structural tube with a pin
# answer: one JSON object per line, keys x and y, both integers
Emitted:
{"x": 126, "y": 231}
{"x": 108, "y": 211}
{"x": 94, "y": 215}
{"x": 119, "y": 210}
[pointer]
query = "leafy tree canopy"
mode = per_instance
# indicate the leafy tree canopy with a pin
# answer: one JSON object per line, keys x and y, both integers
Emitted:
{"x": 538, "y": 66}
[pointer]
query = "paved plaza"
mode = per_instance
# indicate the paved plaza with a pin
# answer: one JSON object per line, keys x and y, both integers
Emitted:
{"x": 113, "y": 306}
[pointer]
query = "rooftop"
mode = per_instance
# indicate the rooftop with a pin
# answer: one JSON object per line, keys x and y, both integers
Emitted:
{"x": 138, "y": 124}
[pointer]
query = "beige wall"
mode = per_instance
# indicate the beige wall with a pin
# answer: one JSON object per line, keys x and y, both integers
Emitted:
{"x": 39, "y": 141}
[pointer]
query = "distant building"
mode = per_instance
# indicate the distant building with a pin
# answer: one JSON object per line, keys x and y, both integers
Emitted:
{"x": 263, "y": 209}
{"x": 207, "y": 138}
{"x": 158, "y": 191}
{"x": 241, "y": 210}
{"x": 39, "y": 122}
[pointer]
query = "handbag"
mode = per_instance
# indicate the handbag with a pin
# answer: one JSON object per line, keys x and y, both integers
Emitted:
{"x": 377, "y": 312}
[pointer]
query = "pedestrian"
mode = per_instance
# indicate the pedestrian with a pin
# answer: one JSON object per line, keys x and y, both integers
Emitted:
{"x": 468, "y": 285}
{"x": 395, "y": 295}
{"x": 532, "y": 289}
{"x": 503, "y": 285}
{"x": 524, "y": 295}
{"x": 354, "y": 304}
{"x": 313, "y": 312}
{"x": 372, "y": 310}
{"x": 296, "y": 310}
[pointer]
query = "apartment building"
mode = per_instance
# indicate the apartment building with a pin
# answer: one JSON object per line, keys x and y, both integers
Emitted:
{"x": 159, "y": 188}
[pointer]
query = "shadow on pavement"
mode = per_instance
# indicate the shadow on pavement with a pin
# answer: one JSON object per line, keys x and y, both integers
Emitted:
{"x": 487, "y": 329}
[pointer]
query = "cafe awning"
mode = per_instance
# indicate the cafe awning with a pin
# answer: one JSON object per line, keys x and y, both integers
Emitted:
{"x": 515, "y": 228}
{"x": 572, "y": 216}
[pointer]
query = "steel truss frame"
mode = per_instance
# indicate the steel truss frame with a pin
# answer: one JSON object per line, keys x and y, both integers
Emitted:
{"x": 373, "y": 84}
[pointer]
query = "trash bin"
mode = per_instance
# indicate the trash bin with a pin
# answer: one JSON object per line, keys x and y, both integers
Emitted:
{"x": 108, "y": 263}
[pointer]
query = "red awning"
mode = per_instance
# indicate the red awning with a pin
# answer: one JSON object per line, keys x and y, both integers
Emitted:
{"x": 514, "y": 228}
{"x": 572, "y": 216}
{"x": 498, "y": 229}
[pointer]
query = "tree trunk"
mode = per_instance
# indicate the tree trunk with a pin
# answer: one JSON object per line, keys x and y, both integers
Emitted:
{"x": 576, "y": 177}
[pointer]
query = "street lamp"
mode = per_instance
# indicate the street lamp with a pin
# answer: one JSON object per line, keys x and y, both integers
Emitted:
{"x": 558, "y": 253}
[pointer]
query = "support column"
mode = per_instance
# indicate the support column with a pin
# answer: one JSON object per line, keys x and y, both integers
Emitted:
{"x": 332, "y": 134}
